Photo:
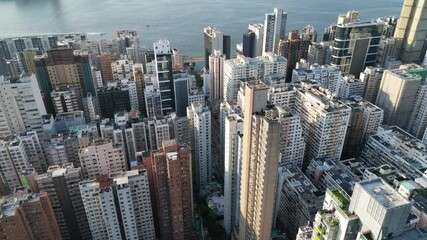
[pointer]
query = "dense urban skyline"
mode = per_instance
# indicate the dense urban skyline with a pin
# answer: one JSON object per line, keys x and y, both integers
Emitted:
{"x": 300, "y": 134}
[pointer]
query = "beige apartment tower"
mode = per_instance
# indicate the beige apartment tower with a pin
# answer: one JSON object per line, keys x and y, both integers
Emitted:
{"x": 411, "y": 31}
{"x": 261, "y": 140}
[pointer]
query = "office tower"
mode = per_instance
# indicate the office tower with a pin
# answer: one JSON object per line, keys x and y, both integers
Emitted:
{"x": 379, "y": 197}
{"x": 327, "y": 76}
{"x": 102, "y": 157}
{"x": 63, "y": 67}
{"x": 216, "y": 73}
{"x": 372, "y": 77}
{"x": 292, "y": 144}
{"x": 28, "y": 216}
{"x": 61, "y": 183}
{"x": 274, "y": 30}
{"x": 199, "y": 118}
{"x": 319, "y": 53}
{"x": 181, "y": 83}
{"x": 386, "y": 51}
{"x": 177, "y": 60}
{"x": 418, "y": 119}
{"x": 21, "y": 106}
{"x": 352, "y": 41}
{"x": 113, "y": 99}
{"x": 294, "y": 49}
{"x": 350, "y": 86}
{"x": 33, "y": 150}
{"x": 299, "y": 201}
{"x": 397, "y": 94}
{"x": 410, "y": 32}
{"x": 118, "y": 206}
{"x": 153, "y": 101}
{"x": 324, "y": 122}
{"x": 233, "y": 130}
{"x": 64, "y": 99}
{"x": 122, "y": 69}
{"x": 334, "y": 221}
{"x": 393, "y": 146}
{"x": 28, "y": 179}
{"x": 242, "y": 69}
{"x": 169, "y": 172}
{"x": 252, "y": 40}
{"x": 139, "y": 78}
{"x": 260, "y": 154}
{"x": 215, "y": 40}
{"x": 163, "y": 60}
{"x": 365, "y": 119}
{"x": 105, "y": 60}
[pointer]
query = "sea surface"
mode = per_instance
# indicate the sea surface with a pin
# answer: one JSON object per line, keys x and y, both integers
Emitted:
{"x": 179, "y": 21}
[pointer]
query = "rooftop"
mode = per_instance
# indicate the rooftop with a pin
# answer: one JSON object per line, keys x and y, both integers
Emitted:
{"x": 383, "y": 193}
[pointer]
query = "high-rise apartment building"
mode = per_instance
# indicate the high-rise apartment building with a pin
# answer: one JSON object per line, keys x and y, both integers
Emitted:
{"x": 199, "y": 118}
{"x": 64, "y": 100}
{"x": 118, "y": 206}
{"x": 350, "y": 86}
{"x": 105, "y": 61}
{"x": 260, "y": 154}
{"x": 319, "y": 53}
{"x": 177, "y": 60}
{"x": 327, "y": 76}
{"x": 294, "y": 49}
{"x": 61, "y": 183}
{"x": 215, "y": 40}
{"x": 365, "y": 119}
{"x": 21, "y": 106}
{"x": 397, "y": 94}
{"x": 153, "y": 101}
{"x": 274, "y": 30}
{"x": 139, "y": 78}
{"x": 233, "y": 131}
{"x": 216, "y": 74}
{"x": 169, "y": 172}
{"x": 252, "y": 40}
{"x": 372, "y": 77}
{"x": 28, "y": 216}
{"x": 242, "y": 69}
{"x": 410, "y": 32}
{"x": 102, "y": 157}
{"x": 122, "y": 69}
{"x": 324, "y": 122}
{"x": 417, "y": 123}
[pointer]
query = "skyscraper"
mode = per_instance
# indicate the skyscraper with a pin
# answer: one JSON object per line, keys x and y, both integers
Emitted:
{"x": 252, "y": 40}
{"x": 274, "y": 30}
{"x": 372, "y": 77}
{"x": 411, "y": 33}
{"x": 61, "y": 183}
{"x": 261, "y": 141}
{"x": 215, "y": 40}
{"x": 28, "y": 216}
{"x": 216, "y": 74}
{"x": 169, "y": 172}
{"x": 163, "y": 60}
{"x": 139, "y": 78}
{"x": 118, "y": 206}
{"x": 294, "y": 49}
{"x": 324, "y": 122}
{"x": 199, "y": 118}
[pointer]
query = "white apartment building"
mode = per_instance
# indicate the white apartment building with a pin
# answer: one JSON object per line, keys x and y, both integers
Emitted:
{"x": 324, "y": 122}
{"x": 133, "y": 95}
{"x": 102, "y": 157}
{"x": 159, "y": 130}
{"x": 242, "y": 69}
{"x": 199, "y": 118}
{"x": 372, "y": 77}
{"x": 119, "y": 204}
{"x": 34, "y": 151}
{"x": 233, "y": 130}
{"x": 122, "y": 69}
{"x": 216, "y": 74}
{"x": 327, "y": 76}
{"x": 417, "y": 124}
{"x": 274, "y": 30}
{"x": 21, "y": 106}
{"x": 282, "y": 96}
{"x": 258, "y": 30}
{"x": 349, "y": 86}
